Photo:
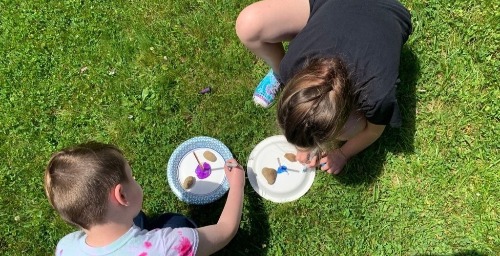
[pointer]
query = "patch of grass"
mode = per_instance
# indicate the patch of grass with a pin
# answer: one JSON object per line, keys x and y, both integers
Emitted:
{"x": 129, "y": 72}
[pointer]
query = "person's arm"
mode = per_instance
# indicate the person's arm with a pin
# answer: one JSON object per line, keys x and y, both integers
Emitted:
{"x": 214, "y": 237}
{"x": 336, "y": 160}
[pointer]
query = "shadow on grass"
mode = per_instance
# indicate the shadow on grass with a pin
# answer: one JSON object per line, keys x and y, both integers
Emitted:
{"x": 463, "y": 253}
{"x": 367, "y": 166}
{"x": 250, "y": 239}
{"x": 253, "y": 232}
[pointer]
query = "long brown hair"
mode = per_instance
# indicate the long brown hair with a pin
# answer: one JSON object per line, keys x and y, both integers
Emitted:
{"x": 315, "y": 104}
{"x": 78, "y": 181}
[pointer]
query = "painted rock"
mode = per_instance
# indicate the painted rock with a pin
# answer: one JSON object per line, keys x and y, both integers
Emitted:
{"x": 270, "y": 175}
{"x": 209, "y": 156}
{"x": 188, "y": 182}
{"x": 291, "y": 157}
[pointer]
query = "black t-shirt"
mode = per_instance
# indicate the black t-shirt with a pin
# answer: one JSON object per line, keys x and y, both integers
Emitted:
{"x": 367, "y": 35}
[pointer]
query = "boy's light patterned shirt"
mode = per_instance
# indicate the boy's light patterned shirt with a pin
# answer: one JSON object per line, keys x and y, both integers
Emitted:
{"x": 137, "y": 242}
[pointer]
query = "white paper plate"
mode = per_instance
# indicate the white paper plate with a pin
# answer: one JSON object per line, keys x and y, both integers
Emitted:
{"x": 183, "y": 163}
{"x": 289, "y": 186}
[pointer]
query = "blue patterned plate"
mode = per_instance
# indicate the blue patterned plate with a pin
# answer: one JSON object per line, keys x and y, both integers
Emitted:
{"x": 183, "y": 163}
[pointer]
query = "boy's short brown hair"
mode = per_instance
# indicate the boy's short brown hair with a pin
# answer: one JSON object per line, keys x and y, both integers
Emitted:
{"x": 78, "y": 181}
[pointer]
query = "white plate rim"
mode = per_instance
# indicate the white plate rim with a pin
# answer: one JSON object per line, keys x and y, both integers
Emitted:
{"x": 252, "y": 175}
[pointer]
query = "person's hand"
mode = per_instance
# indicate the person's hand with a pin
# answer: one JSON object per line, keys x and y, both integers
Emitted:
{"x": 304, "y": 157}
{"x": 234, "y": 173}
{"x": 333, "y": 162}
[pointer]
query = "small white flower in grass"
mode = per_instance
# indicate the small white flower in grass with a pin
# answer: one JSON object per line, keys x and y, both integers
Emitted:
{"x": 17, "y": 218}
{"x": 151, "y": 48}
{"x": 130, "y": 116}
{"x": 112, "y": 72}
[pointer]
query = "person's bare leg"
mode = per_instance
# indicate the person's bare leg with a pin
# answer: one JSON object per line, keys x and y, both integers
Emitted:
{"x": 264, "y": 25}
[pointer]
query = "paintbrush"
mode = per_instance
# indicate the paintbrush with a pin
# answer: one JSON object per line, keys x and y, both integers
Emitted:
{"x": 231, "y": 165}
{"x": 198, "y": 160}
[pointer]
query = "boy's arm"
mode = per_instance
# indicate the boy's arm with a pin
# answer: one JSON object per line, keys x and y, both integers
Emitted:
{"x": 214, "y": 237}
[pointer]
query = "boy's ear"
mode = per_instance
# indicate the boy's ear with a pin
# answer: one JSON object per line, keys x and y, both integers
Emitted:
{"x": 118, "y": 194}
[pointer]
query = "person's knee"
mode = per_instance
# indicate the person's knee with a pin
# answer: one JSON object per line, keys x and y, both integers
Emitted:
{"x": 248, "y": 27}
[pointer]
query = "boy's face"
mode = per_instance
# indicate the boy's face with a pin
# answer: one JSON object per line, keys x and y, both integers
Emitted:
{"x": 134, "y": 190}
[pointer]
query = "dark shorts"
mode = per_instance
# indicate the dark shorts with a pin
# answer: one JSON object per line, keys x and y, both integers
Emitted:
{"x": 167, "y": 220}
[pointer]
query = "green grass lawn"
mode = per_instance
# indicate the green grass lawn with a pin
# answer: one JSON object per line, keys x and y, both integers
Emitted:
{"x": 129, "y": 72}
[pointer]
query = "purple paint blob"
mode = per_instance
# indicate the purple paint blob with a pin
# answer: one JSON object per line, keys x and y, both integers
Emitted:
{"x": 203, "y": 173}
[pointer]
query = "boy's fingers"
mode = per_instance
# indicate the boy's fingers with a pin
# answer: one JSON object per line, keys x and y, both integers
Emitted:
{"x": 232, "y": 164}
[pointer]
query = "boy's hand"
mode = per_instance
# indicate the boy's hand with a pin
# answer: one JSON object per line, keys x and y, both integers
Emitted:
{"x": 235, "y": 175}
